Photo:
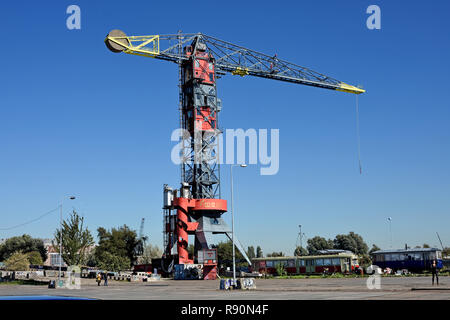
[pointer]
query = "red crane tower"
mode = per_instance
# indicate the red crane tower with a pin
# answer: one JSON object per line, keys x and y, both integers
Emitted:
{"x": 197, "y": 208}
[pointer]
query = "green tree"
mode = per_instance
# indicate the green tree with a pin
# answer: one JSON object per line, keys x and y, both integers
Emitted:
{"x": 318, "y": 243}
{"x": 116, "y": 247}
{"x": 225, "y": 255}
{"x": 365, "y": 260}
{"x": 152, "y": 252}
{"x": 76, "y": 239}
{"x": 280, "y": 269}
{"x": 300, "y": 251}
{"x": 352, "y": 242}
{"x": 34, "y": 257}
{"x": 18, "y": 261}
{"x": 91, "y": 259}
{"x": 25, "y": 244}
{"x": 276, "y": 254}
{"x": 112, "y": 262}
{"x": 374, "y": 248}
{"x": 259, "y": 252}
{"x": 251, "y": 253}
{"x": 425, "y": 245}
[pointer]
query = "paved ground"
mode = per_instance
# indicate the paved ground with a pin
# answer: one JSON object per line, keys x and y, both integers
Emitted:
{"x": 347, "y": 288}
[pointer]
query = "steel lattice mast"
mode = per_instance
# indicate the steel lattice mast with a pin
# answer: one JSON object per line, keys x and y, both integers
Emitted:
{"x": 201, "y": 58}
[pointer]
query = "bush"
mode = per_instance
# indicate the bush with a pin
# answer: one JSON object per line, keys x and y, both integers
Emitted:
{"x": 281, "y": 271}
{"x": 23, "y": 244}
{"x": 18, "y": 261}
{"x": 34, "y": 257}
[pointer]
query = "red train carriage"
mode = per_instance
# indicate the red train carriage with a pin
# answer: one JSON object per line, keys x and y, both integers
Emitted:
{"x": 332, "y": 263}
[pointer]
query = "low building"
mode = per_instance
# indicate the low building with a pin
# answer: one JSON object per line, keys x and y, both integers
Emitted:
{"x": 53, "y": 257}
{"x": 416, "y": 259}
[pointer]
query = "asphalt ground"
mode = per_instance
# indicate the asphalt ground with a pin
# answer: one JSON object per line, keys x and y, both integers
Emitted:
{"x": 404, "y": 288}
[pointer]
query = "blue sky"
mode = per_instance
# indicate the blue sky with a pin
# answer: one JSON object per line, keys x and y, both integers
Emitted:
{"x": 76, "y": 119}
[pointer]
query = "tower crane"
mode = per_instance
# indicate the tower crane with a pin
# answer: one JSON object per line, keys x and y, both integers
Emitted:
{"x": 197, "y": 208}
{"x": 141, "y": 230}
{"x": 141, "y": 238}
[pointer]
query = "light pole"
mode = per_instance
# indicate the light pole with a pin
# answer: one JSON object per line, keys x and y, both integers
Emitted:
{"x": 232, "y": 219}
{"x": 60, "y": 238}
{"x": 300, "y": 235}
{"x": 390, "y": 229}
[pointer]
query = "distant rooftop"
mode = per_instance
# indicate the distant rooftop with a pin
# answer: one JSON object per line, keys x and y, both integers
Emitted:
{"x": 407, "y": 250}
{"x": 47, "y": 242}
{"x": 333, "y": 251}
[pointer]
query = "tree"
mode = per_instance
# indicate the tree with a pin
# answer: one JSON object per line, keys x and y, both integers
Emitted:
{"x": 352, "y": 242}
{"x": 75, "y": 240}
{"x": 34, "y": 257}
{"x": 365, "y": 260}
{"x": 425, "y": 245}
{"x": 152, "y": 252}
{"x": 18, "y": 261}
{"x": 280, "y": 269}
{"x": 259, "y": 252}
{"x": 276, "y": 254}
{"x": 91, "y": 259}
{"x": 300, "y": 251}
{"x": 112, "y": 262}
{"x": 374, "y": 248}
{"x": 25, "y": 244}
{"x": 116, "y": 247}
{"x": 318, "y": 243}
{"x": 251, "y": 253}
{"x": 225, "y": 254}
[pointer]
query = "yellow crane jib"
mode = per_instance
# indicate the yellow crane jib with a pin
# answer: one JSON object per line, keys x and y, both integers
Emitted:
{"x": 118, "y": 41}
{"x": 227, "y": 54}
{"x": 349, "y": 88}
{"x": 240, "y": 72}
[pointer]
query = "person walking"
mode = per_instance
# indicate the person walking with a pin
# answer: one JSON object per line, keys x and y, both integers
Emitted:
{"x": 434, "y": 272}
{"x": 105, "y": 277}
{"x": 98, "y": 278}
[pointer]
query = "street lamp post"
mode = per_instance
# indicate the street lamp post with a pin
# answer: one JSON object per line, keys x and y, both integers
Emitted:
{"x": 232, "y": 220}
{"x": 390, "y": 229}
{"x": 60, "y": 238}
{"x": 301, "y": 234}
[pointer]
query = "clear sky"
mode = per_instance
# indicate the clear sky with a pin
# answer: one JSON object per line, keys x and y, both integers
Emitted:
{"x": 76, "y": 119}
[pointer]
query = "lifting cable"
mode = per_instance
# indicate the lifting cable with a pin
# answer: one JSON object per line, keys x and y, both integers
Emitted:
{"x": 358, "y": 136}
